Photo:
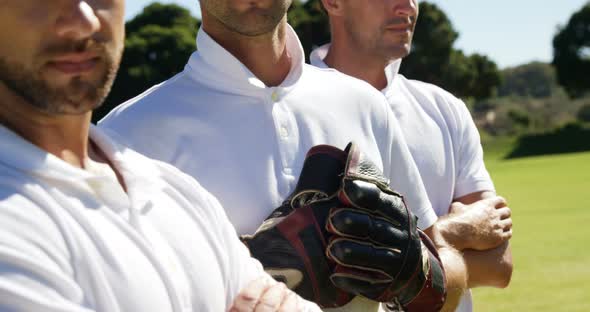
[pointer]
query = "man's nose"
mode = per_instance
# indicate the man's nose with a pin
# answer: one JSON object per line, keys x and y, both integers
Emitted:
{"x": 406, "y": 7}
{"x": 77, "y": 21}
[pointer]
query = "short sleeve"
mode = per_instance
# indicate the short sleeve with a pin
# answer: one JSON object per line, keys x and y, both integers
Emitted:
{"x": 472, "y": 175}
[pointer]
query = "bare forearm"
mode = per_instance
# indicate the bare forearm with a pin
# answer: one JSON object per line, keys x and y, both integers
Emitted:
{"x": 456, "y": 276}
{"x": 485, "y": 250}
{"x": 490, "y": 268}
{"x": 456, "y": 272}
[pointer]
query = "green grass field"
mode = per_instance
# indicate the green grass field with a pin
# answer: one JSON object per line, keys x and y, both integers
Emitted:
{"x": 550, "y": 201}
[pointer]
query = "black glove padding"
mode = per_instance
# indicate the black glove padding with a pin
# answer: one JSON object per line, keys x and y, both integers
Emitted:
{"x": 381, "y": 252}
{"x": 291, "y": 243}
{"x": 343, "y": 232}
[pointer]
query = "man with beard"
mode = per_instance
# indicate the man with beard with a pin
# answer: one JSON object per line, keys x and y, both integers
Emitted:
{"x": 369, "y": 39}
{"x": 243, "y": 114}
{"x": 85, "y": 223}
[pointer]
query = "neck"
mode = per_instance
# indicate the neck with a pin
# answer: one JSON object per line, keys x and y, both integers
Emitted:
{"x": 344, "y": 57}
{"x": 65, "y": 136}
{"x": 265, "y": 55}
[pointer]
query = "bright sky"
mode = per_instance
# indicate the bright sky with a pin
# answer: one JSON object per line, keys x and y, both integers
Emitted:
{"x": 511, "y": 32}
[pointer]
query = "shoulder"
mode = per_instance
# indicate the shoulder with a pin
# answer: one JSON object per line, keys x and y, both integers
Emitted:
{"x": 30, "y": 224}
{"x": 151, "y": 119}
{"x": 153, "y": 103}
{"x": 331, "y": 78}
{"x": 345, "y": 88}
{"x": 431, "y": 92}
{"x": 185, "y": 188}
{"x": 434, "y": 100}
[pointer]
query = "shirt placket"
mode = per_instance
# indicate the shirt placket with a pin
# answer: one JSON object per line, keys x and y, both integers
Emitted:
{"x": 287, "y": 138}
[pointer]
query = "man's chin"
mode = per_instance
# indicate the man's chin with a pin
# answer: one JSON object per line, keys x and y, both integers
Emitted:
{"x": 71, "y": 103}
{"x": 398, "y": 52}
{"x": 79, "y": 97}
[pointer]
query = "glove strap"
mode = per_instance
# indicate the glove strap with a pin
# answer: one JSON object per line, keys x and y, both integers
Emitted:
{"x": 433, "y": 294}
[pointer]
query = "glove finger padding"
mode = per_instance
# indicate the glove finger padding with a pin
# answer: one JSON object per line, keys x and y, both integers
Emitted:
{"x": 354, "y": 223}
{"x": 293, "y": 251}
{"x": 344, "y": 232}
{"x": 291, "y": 244}
{"x": 364, "y": 256}
{"x": 392, "y": 246}
{"x": 367, "y": 196}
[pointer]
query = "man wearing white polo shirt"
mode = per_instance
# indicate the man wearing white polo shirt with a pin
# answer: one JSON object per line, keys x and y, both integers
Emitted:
{"x": 246, "y": 109}
{"x": 369, "y": 39}
{"x": 86, "y": 224}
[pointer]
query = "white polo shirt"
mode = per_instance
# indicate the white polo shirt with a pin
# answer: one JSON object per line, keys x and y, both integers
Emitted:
{"x": 246, "y": 143}
{"x": 71, "y": 240}
{"x": 441, "y": 136}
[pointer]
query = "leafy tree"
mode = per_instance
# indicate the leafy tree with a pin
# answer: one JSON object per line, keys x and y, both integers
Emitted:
{"x": 159, "y": 41}
{"x": 488, "y": 77}
{"x": 457, "y": 74}
{"x": 584, "y": 113}
{"x": 433, "y": 58}
{"x": 311, "y": 24}
{"x": 571, "y": 53}
{"x": 519, "y": 117}
{"x": 535, "y": 79}
{"x": 432, "y": 46}
{"x": 163, "y": 15}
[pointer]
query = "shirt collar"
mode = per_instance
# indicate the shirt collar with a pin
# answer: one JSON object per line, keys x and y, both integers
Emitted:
{"x": 391, "y": 70}
{"x": 21, "y": 155}
{"x": 139, "y": 173}
{"x": 216, "y": 67}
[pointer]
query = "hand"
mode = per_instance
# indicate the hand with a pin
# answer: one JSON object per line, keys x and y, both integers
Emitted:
{"x": 265, "y": 295}
{"x": 482, "y": 225}
{"x": 344, "y": 232}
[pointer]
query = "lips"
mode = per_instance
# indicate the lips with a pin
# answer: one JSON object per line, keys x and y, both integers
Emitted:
{"x": 400, "y": 28}
{"x": 76, "y": 63}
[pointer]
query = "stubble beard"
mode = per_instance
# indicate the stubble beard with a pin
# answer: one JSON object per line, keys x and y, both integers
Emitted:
{"x": 253, "y": 22}
{"x": 376, "y": 46}
{"x": 79, "y": 96}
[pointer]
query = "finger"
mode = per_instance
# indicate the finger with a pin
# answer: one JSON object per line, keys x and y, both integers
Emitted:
{"x": 357, "y": 282}
{"x": 504, "y": 213}
{"x": 247, "y": 299}
{"x": 368, "y": 196}
{"x": 272, "y": 298}
{"x": 365, "y": 256}
{"x": 506, "y": 224}
{"x": 497, "y": 201}
{"x": 507, "y": 235}
{"x": 290, "y": 303}
{"x": 358, "y": 224}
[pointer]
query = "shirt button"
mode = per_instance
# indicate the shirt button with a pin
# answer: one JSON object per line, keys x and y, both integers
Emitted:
{"x": 284, "y": 132}
{"x": 274, "y": 96}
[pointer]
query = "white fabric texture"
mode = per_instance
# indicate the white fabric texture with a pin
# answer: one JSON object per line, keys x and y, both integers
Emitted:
{"x": 73, "y": 240}
{"x": 246, "y": 142}
{"x": 441, "y": 136}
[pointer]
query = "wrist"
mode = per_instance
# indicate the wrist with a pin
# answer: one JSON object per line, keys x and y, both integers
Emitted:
{"x": 453, "y": 233}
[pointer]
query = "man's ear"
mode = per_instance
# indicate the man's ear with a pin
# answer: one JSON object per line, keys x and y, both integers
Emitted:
{"x": 333, "y": 7}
